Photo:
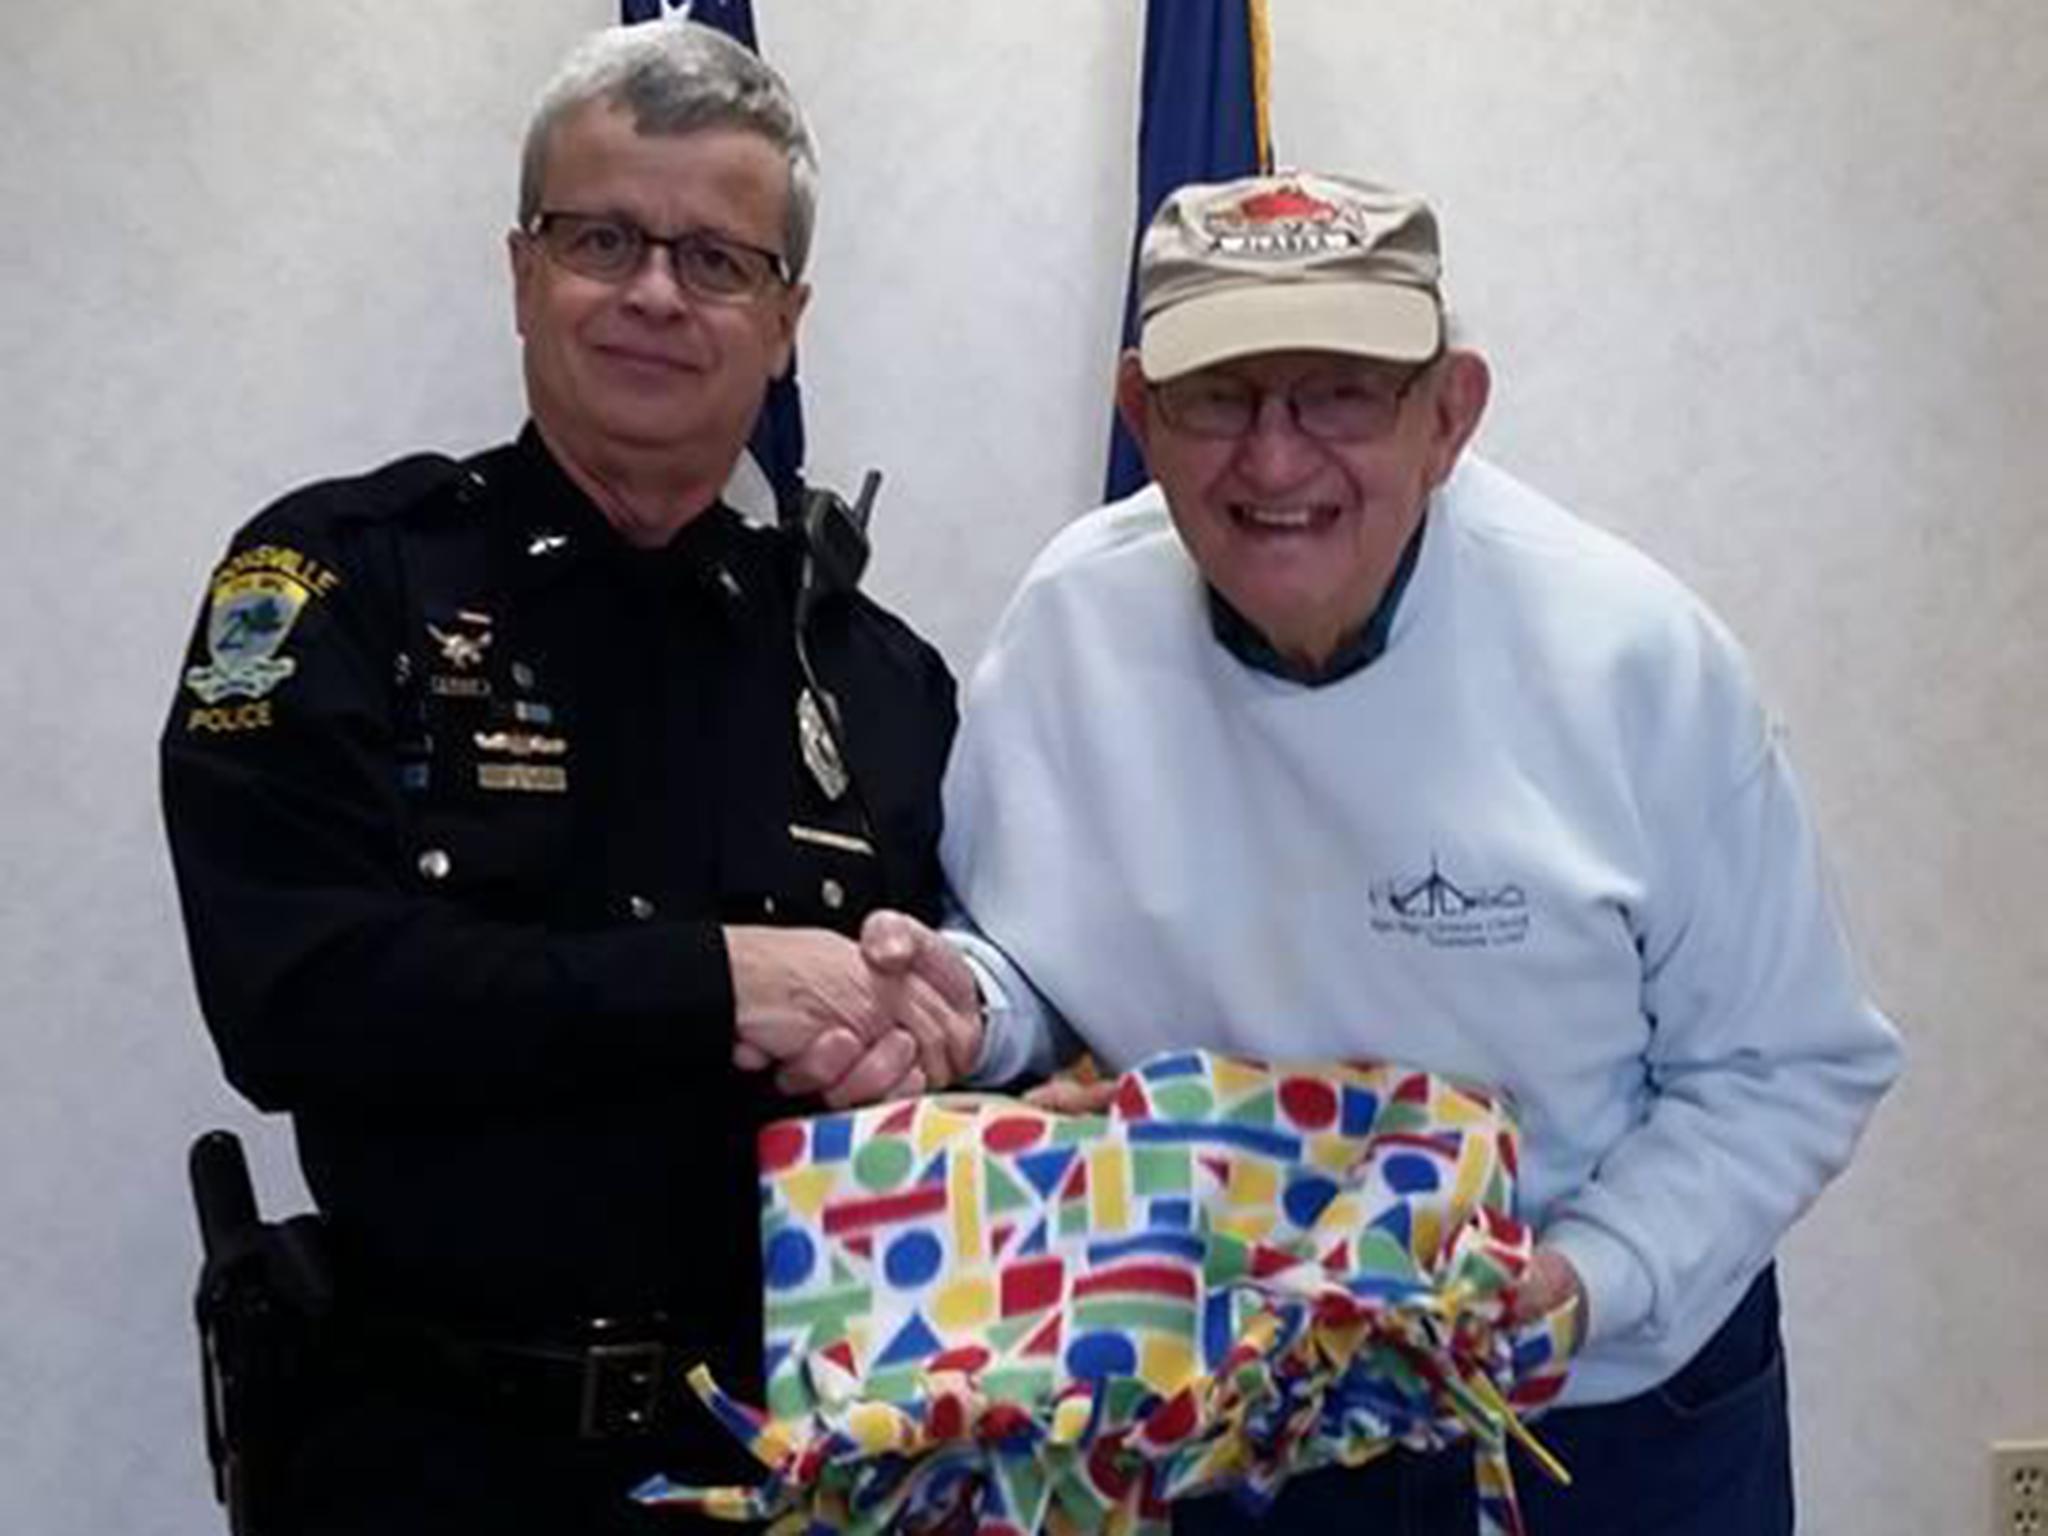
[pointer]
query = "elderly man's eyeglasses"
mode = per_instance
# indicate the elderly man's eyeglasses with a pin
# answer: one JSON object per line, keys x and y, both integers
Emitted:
{"x": 612, "y": 249}
{"x": 1350, "y": 406}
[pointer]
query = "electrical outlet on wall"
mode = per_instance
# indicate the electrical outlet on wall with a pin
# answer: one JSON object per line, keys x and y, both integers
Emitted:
{"x": 2019, "y": 1488}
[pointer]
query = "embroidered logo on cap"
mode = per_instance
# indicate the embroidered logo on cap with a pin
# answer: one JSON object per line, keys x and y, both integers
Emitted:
{"x": 1285, "y": 221}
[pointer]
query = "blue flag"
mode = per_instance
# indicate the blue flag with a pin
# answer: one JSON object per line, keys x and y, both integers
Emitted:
{"x": 1202, "y": 117}
{"x": 735, "y": 18}
{"x": 777, "y": 446}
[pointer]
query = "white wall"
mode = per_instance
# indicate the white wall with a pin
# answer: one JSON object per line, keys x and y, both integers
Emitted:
{"x": 1763, "y": 285}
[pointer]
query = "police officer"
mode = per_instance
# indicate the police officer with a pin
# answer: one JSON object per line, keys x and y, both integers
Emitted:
{"x": 525, "y": 808}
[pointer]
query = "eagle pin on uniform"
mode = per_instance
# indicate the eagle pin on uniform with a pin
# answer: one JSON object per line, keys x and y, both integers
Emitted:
{"x": 463, "y": 644}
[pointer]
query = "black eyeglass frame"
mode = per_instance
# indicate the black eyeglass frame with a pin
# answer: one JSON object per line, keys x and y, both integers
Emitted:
{"x": 642, "y": 239}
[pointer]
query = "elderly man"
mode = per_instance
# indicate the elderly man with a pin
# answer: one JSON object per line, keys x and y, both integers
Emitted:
{"x": 519, "y": 803}
{"x": 1336, "y": 742}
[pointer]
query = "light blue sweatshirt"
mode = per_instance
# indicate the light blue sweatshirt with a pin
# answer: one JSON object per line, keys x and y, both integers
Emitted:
{"x": 1547, "y": 841}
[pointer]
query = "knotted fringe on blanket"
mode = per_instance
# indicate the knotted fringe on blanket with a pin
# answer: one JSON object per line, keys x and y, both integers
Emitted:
{"x": 983, "y": 1317}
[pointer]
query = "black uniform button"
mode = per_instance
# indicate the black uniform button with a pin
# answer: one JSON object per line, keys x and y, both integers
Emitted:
{"x": 641, "y": 908}
{"x": 767, "y": 906}
{"x": 832, "y": 893}
{"x": 435, "y": 864}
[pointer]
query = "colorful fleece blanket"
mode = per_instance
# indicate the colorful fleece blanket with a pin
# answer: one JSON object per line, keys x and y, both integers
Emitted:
{"x": 984, "y": 1317}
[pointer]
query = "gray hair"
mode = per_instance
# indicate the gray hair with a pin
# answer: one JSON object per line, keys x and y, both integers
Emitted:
{"x": 676, "y": 77}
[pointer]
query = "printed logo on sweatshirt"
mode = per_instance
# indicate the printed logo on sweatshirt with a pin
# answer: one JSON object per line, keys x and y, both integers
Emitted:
{"x": 1448, "y": 913}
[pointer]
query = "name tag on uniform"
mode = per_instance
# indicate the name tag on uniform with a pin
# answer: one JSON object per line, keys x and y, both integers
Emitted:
{"x": 529, "y": 778}
{"x": 840, "y": 842}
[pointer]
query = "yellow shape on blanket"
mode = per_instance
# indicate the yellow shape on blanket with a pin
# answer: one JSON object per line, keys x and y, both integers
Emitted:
{"x": 1428, "y": 1236}
{"x": 1070, "y": 1418}
{"x": 877, "y": 1427}
{"x": 1473, "y": 1166}
{"x": 1460, "y": 1109}
{"x": 1511, "y": 1421}
{"x": 1333, "y": 1154}
{"x": 1340, "y": 1218}
{"x": 1234, "y": 1079}
{"x": 968, "y": 1303}
{"x": 807, "y": 1189}
{"x": 1258, "y": 1334}
{"x": 936, "y": 1127}
{"x": 1109, "y": 1189}
{"x": 777, "y": 1443}
{"x": 1166, "y": 1363}
{"x": 963, "y": 1194}
{"x": 1252, "y": 1182}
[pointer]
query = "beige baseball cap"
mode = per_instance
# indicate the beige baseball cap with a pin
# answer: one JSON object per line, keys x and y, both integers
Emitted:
{"x": 1286, "y": 261}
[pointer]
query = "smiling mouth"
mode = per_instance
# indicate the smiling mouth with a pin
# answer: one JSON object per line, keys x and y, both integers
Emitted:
{"x": 631, "y": 358}
{"x": 1310, "y": 519}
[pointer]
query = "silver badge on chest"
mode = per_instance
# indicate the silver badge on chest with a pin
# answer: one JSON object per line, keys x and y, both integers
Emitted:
{"x": 820, "y": 751}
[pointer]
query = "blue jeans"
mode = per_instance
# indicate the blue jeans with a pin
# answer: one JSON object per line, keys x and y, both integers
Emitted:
{"x": 1706, "y": 1453}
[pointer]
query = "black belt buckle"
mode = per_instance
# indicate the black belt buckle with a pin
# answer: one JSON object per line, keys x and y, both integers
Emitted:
{"x": 622, "y": 1386}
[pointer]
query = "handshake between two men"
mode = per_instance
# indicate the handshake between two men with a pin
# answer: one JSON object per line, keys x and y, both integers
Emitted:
{"x": 892, "y": 1015}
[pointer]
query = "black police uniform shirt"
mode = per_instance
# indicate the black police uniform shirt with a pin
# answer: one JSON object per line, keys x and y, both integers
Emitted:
{"x": 459, "y": 789}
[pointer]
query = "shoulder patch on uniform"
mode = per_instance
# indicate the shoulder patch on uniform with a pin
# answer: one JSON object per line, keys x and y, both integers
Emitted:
{"x": 257, "y": 596}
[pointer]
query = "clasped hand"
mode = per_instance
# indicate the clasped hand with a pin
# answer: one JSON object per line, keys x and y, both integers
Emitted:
{"x": 890, "y": 1016}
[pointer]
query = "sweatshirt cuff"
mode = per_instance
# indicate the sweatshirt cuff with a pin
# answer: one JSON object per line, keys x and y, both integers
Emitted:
{"x": 998, "y": 1061}
{"x": 1619, "y": 1294}
{"x": 1010, "y": 1015}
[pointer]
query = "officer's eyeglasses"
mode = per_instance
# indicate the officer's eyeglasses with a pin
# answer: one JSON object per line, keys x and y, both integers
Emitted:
{"x": 1350, "y": 406}
{"x": 612, "y": 249}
